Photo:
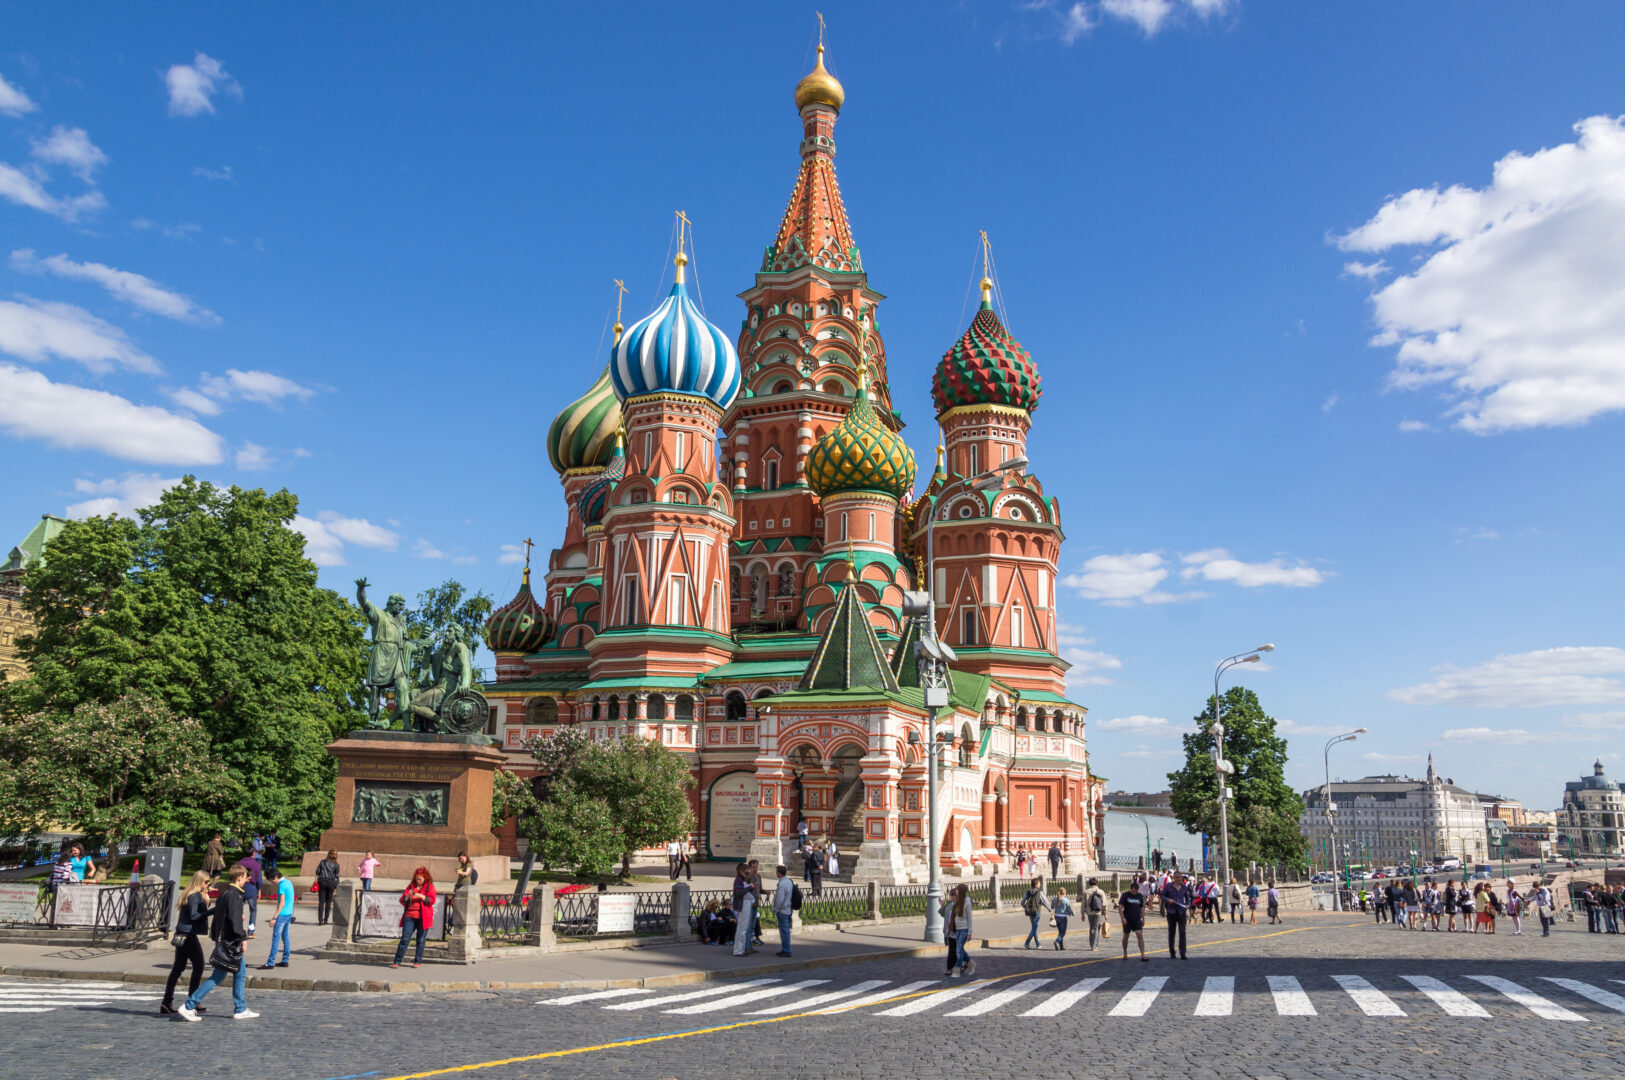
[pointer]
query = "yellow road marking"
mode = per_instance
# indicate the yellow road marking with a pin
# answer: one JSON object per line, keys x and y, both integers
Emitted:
{"x": 646, "y": 1040}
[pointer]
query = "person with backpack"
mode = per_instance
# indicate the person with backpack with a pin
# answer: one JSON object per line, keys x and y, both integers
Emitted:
{"x": 1032, "y": 904}
{"x": 1094, "y": 906}
{"x": 1062, "y": 910}
{"x": 228, "y": 933}
{"x": 327, "y": 880}
{"x": 786, "y": 901}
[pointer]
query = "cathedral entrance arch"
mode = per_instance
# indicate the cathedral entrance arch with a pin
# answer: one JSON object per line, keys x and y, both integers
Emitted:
{"x": 845, "y": 763}
{"x": 730, "y": 824}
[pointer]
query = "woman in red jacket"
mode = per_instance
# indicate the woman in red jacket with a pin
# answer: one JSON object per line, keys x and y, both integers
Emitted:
{"x": 418, "y": 916}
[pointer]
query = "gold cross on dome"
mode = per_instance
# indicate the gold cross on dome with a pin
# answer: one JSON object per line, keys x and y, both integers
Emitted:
{"x": 528, "y": 545}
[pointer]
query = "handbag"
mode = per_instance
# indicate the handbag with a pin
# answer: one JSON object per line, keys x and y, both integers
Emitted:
{"x": 179, "y": 938}
{"x": 226, "y": 957}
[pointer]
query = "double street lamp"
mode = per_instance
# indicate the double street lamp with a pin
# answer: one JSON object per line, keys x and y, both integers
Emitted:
{"x": 932, "y": 658}
{"x": 1331, "y": 810}
{"x": 1222, "y": 768}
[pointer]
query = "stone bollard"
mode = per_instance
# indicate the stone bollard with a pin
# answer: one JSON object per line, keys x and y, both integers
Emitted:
{"x": 1081, "y": 886}
{"x": 1117, "y": 886}
{"x": 343, "y": 912}
{"x": 541, "y": 918}
{"x": 464, "y": 940}
{"x": 679, "y": 912}
{"x": 993, "y": 892}
{"x": 874, "y": 899}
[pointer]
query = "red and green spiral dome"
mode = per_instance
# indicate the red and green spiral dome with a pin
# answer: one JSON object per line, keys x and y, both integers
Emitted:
{"x": 986, "y": 367}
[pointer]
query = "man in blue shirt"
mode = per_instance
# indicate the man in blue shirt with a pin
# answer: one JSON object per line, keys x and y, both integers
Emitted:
{"x": 284, "y": 916}
{"x": 1177, "y": 898}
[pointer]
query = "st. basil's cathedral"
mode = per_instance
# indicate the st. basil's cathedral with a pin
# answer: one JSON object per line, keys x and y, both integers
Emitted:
{"x": 742, "y": 525}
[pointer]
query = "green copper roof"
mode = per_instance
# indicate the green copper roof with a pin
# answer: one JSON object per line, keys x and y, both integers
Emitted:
{"x": 849, "y": 655}
{"x": 904, "y": 664}
{"x": 789, "y": 668}
{"x": 33, "y": 545}
{"x": 1046, "y": 695}
{"x": 583, "y": 435}
{"x": 652, "y": 682}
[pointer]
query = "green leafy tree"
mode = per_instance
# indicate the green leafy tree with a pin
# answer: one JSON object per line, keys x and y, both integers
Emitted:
{"x": 206, "y": 603}
{"x": 646, "y": 789}
{"x": 440, "y": 608}
{"x": 1264, "y": 816}
{"x": 115, "y": 771}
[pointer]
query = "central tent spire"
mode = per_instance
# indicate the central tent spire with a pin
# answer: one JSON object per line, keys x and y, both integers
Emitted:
{"x": 815, "y": 229}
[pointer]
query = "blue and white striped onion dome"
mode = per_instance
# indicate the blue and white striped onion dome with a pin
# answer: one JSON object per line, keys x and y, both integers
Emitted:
{"x": 675, "y": 350}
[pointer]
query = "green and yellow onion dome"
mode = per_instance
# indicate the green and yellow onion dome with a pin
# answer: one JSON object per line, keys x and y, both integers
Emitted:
{"x": 583, "y": 435}
{"x": 520, "y": 625}
{"x": 861, "y": 454}
{"x": 986, "y": 367}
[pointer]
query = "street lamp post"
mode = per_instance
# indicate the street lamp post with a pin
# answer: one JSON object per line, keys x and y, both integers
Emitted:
{"x": 1331, "y": 807}
{"x": 1222, "y": 768}
{"x": 933, "y": 657}
{"x": 1147, "y": 826}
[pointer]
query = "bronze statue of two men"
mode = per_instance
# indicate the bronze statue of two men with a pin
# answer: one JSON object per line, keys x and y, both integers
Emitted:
{"x": 445, "y": 700}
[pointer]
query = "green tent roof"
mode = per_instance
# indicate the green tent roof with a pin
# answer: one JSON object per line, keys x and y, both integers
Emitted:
{"x": 32, "y": 546}
{"x": 849, "y": 655}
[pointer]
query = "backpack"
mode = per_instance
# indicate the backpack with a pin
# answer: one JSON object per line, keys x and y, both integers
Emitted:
{"x": 795, "y": 897}
{"x": 1029, "y": 902}
{"x": 1097, "y": 902}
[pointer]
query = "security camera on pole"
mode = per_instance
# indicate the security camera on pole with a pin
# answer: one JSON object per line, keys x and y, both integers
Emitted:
{"x": 1222, "y": 768}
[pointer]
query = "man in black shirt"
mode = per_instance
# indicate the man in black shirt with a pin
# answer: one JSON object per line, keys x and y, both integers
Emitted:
{"x": 1131, "y": 906}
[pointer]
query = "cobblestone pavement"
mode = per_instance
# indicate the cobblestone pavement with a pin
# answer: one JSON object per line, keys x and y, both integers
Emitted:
{"x": 1317, "y": 999}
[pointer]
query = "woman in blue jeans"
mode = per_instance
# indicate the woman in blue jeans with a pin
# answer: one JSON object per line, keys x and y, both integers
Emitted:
{"x": 418, "y": 917}
{"x": 957, "y": 924}
{"x": 1034, "y": 904}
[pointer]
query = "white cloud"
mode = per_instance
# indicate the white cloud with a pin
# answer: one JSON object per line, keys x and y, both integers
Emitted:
{"x": 1605, "y": 721}
{"x": 1499, "y": 736}
{"x": 465, "y": 560}
{"x": 253, "y": 457}
{"x": 1088, "y": 665}
{"x": 1076, "y": 21}
{"x": 261, "y": 387}
{"x": 1394, "y": 759}
{"x": 1573, "y": 675}
{"x": 26, "y": 189}
{"x": 1480, "y": 533}
{"x": 13, "y": 102}
{"x": 192, "y": 87}
{"x": 123, "y": 495}
{"x": 134, "y": 289}
{"x": 76, "y": 418}
{"x": 37, "y": 330}
{"x": 1148, "y": 15}
{"x": 178, "y": 231}
{"x": 222, "y": 173}
{"x": 1217, "y": 565}
{"x": 1329, "y": 404}
{"x": 328, "y": 532}
{"x": 1514, "y": 308}
{"x": 1119, "y": 579}
{"x": 1292, "y": 727}
{"x": 71, "y": 147}
{"x": 1156, "y": 727}
{"x": 1369, "y": 271}
{"x": 1143, "y": 751}
{"x": 1411, "y": 426}
{"x": 425, "y": 550}
{"x": 511, "y": 554}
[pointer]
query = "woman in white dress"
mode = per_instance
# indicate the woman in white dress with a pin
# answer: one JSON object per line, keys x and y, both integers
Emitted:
{"x": 834, "y": 860}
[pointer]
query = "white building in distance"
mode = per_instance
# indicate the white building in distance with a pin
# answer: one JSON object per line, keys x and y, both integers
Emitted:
{"x": 1381, "y": 820}
{"x": 1593, "y": 816}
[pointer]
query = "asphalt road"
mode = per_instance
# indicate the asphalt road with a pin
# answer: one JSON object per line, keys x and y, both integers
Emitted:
{"x": 1321, "y": 999}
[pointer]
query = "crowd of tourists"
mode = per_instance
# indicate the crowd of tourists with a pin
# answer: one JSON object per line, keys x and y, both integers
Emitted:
{"x": 1412, "y": 905}
{"x": 737, "y": 920}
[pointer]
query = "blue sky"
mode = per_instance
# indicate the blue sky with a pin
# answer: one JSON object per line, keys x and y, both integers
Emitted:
{"x": 1325, "y": 298}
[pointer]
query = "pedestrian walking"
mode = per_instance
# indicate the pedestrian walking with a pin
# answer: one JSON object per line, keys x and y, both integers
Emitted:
{"x": 1032, "y": 904}
{"x": 214, "y": 856}
{"x": 1177, "y": 898}
{"x": 814, "y": 868}
{"x": 1235, "y": 900}
{"x": 784, "y": 899}
{"x": 1514, "y": 906}
{"x": 1131, "y": 910}
{"x": 417, "y": 916}
{"x": 1055, "y": 860}
{"x": 1156, "y": 860}
{"x": 228, "y": 933}
{"x": 672, "y": 856}
{"x": 191, "y": 923}
{"x": 956, "y": 914}
{"x": 1021, "y": 863}
{"x": 1093, "y": 901}
{"x": 1273, "y": 902}
{"x": 252, "y": 885}
{"x": 467, "y": 875}
{"x": 688, "y": 858}
{"x": 1545, "y": 908}
{"x": 327, "y": 880}
{"x": 1252, "y": 903}
{"x": 1062, "y": 911}
{"x": 283, "y": 918}
{"x": 745, "y": 899}
{"x": 366, "y": 868}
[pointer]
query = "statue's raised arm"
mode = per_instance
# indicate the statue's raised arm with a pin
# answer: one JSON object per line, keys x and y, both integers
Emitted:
{"x": 361, "y": 584}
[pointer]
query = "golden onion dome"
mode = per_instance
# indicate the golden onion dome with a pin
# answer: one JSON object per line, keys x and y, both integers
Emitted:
{"x": 861, "y": 454}
{"x": 819, "y": 87}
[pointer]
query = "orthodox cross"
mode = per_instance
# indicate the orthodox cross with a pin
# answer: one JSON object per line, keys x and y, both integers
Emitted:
{"x": 683, "y": 225}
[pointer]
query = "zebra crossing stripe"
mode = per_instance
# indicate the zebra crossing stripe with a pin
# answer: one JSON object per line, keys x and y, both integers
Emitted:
{"x": 670, "y": 999}
{"x": 1138, "y": 1000}
{"x": 1218, "y": 996}
{"x": 1002, "y": 998}
{"x": 822, "y": 999}
{"x": 1290, "y": 1000}
{"x": 1530, "y": 1000}
{"x": 70, "y": 995}
{"x": 744, "y": 999}
{"x": 1606, "y": 998}
{"x": 927, "y": 1002}
{"x": 875, "y": 999}
{"x": 36, "y": 1009}
{"x": 596, "y": 995}
{"x": 1453, "y": 1002}
{"x": 1063, "y": 1000}
{"x": 1371, "y": 1001}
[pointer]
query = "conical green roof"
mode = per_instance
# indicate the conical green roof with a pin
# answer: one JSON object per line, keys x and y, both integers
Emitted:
{"x": 849, "y": 656}
{"x": 904, "y": 664}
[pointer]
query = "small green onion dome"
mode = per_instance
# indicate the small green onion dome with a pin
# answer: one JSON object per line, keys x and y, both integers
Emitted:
{"x": 583, "y": 435}
{"x": 521, "y": 625}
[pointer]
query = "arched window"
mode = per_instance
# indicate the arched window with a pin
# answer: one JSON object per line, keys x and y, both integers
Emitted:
{"x": 733, "y": 582}
{"x": 787, "y": 579}
{"x": 597, "y": 709}
{"x": 614, "y": 707}
{"x": 542, "y": 710}
{"x": 657, "y": 707}
{"x": 1021, "y": 717}
{"x": 967, "y": 627}
{"x": 685, "y": 708}
{"x": 1040, "y": 723}
{"x": 833, "y": 386}
{"x": 770, "y": 481}
{"x": 738, "y": 707}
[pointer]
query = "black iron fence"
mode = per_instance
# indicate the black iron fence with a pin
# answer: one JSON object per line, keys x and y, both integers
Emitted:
{"x": 697, "y": 901}
{"x": 576, "y": 915}
{"x": 836, "y": 903}
{"x": 504, "y": 919}
{"x": 898, "y": 900}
